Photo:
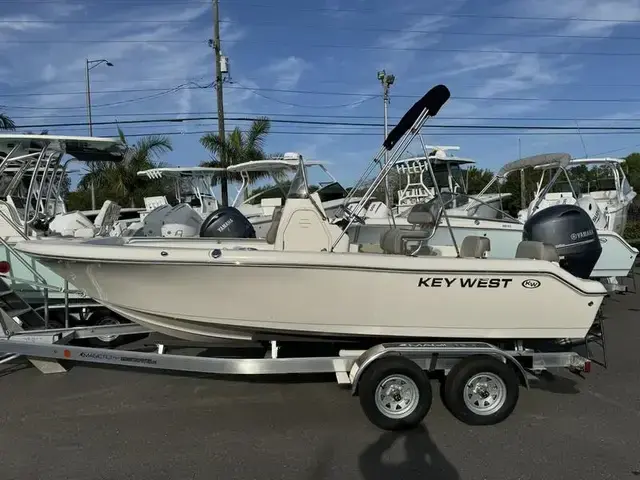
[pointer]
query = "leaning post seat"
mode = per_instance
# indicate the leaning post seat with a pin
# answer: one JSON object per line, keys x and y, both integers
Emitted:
{"x": 537, "y": 251}
{"x": 394, "y": 240}
{"x": 475, "y": 247}
{"x": 275, "y": 223}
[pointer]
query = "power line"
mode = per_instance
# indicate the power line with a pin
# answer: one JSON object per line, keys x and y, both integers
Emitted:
{"x": 177, "y": 116}
{"x": 331, "y": 123}
{"x": 319, "y": 81}
{"x": 289, "y": 8}
{"x": 329, "y": 46}
{"x": 306, "y": 92}
{"x": 444, "y": 15}
{"x": 329, "y": 27}
{"x": 112, "y": 104}
{"x": 377, "y": 134}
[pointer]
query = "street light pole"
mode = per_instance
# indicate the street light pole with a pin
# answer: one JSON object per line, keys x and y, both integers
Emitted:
{"x": 89, "y": 64}
{"x": 386, "y": 80}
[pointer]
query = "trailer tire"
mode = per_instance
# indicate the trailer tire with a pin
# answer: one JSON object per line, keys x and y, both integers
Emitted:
{"x": 395, "y": 393}
{"x": 107, "y": 341}
{"x": 498, "y": 385}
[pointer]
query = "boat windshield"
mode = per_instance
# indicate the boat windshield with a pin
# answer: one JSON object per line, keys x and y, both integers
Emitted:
{"x": 299, "y": 187}
{"x": 331, "y": 191}
{"x": 446, "y": 183}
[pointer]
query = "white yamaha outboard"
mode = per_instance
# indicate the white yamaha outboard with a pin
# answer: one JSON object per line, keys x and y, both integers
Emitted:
{"x": 589, "y": 205}
{"x": 376, "y": 210}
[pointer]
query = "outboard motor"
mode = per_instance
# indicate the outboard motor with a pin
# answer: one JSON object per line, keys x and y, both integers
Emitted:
{"x": 227, "y": 222}
{"x": 570, "y": 229}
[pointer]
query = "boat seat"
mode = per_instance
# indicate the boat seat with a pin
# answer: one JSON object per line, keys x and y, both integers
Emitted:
{"x": 394, "y": 240}
{"x": 273, "y": 229}
{"x": 537, "y": 251}
{"x": 475, "y": 247}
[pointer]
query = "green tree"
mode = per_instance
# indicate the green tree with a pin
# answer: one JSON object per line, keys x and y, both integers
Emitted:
{"x": 237, "y": 147}
{"x": 6, "y": 123}
{"x": 120, "y": 181}
{"x": 477, "y": 179}
{"x": 631, "y": 168}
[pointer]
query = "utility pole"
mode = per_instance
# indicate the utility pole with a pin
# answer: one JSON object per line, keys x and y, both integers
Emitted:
{"x": 386, "y": 80}
{"x": 224, "y": 187}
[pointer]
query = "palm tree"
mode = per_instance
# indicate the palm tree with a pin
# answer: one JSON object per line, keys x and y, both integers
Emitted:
{"x": 121, "y": 179}
{"x": 6, "y": 123}
{"x": 237, "y": 147}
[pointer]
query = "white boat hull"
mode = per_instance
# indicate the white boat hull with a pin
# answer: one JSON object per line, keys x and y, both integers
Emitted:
{"x": 240, "y": 292}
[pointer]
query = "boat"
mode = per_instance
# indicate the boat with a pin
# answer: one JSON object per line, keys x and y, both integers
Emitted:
{"x": 450, "y": 177}
{"x": 330, "y": 192}
{"x": 199, "y": 200}
{"x": 505, "y": 232}
{"x": 307, "y": 280}
{"x": 196, "y": 199}
{"x": 32, "y": 168}
{"x": 607, "y": 200}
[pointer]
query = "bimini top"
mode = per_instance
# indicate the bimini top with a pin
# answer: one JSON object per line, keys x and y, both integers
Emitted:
{"x": 181, "y": 172}
{"x": 546, "y": 159}
{"x": 84, "y": 149}
{"x": 271, "y": 165}
{"x": 585, "y": 161}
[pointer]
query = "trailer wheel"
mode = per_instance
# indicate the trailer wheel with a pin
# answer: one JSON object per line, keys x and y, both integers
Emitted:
{"x": 395, "y": 393}
{"x": 481, "y": 390}
{"x": 106, "y": 341}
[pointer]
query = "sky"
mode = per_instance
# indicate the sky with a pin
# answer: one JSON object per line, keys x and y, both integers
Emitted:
{"x": 569, "y": 63}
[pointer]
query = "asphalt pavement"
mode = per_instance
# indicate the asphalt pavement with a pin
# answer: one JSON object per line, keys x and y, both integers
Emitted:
{"x": 102, "y": 423}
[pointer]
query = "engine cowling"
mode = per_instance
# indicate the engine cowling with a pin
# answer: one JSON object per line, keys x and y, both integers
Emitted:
{"x": 227, "y": 222}
{"x": 589, "y": 205}
{"x": 571, "y": 231}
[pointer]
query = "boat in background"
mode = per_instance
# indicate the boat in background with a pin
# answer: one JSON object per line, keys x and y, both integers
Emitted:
{"x": 185, "y": 219}
{"x": 32, "y": 171}
{"x": 451, "y": 178}
{"x": 607, "y": 201}
{"x": 506, "y": 232}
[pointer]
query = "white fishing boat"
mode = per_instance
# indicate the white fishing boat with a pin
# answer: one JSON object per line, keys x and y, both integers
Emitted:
{"x": 307, "y": 279}
{"x": 33, "y": 168}
{"x": 506, "y": 232}
{"x": 415, "y": 186}
{"x": 185, "y": 219}
{"x": 607, "y": 198}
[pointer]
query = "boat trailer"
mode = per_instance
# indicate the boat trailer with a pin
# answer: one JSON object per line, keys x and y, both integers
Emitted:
{"x": 481, "y": 385}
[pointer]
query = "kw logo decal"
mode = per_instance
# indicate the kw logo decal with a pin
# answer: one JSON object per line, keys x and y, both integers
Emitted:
{"x": 531, "y": 283}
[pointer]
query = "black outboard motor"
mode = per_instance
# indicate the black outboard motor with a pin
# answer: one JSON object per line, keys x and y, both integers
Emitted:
{"x": 570, "y": 229}
{"x": 227, "y": 222}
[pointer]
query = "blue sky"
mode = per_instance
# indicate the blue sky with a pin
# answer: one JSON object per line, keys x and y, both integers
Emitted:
{"x": 335, "y": 47}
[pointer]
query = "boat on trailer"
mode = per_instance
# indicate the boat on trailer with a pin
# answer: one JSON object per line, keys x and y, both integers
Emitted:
{"x": 33, "y": 168}
{"x": 311, "y": 259}
{"x": 307, "y": 280}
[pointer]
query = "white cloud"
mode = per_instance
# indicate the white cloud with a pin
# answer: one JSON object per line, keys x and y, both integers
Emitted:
{"x": 22, "y": 23}
{"x": 608, "y": 14}
{"x": 288, "y": 71}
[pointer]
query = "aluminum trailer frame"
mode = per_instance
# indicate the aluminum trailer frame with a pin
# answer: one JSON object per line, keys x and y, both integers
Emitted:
{"x": 45, "y": 348}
